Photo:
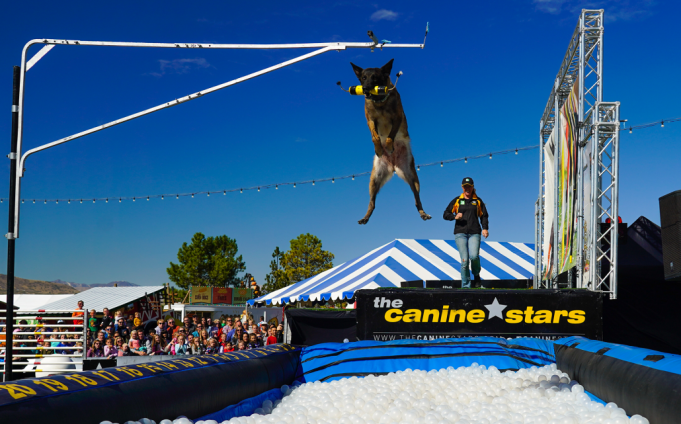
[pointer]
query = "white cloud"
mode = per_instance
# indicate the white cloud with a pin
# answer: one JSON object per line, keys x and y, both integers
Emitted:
{"x": 386, "y": 14}
{"x": 550, "y": 6}
{"x": 615, "y": 10}
{"x": 180, "y": 66}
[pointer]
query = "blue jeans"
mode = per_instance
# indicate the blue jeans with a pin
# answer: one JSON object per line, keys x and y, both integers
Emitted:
{"x": 469, "y": 249}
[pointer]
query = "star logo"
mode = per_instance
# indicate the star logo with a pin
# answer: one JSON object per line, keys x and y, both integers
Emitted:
{"x": 495, "y": 309}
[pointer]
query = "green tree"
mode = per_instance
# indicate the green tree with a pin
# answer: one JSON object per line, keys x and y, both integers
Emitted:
{"x": 207, "y": 261}
{"x": 277, "y": 278}
{"x": 303, "y": 260}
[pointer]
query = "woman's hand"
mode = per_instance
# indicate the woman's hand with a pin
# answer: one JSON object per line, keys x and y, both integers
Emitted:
{"x": 485, "y": 233}
{"x": 458, "y": 216}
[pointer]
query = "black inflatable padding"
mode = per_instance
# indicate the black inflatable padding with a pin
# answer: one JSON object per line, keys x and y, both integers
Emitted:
{"x": 654, "y": 394}
{"x": 191, "y": 392}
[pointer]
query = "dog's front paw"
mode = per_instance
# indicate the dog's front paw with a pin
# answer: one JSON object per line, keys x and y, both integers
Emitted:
{"x": 379, "y": 150}
{"x": 424, "y": 216}
{"x": 363, "y": 221}
{"x": 389, "y": 146}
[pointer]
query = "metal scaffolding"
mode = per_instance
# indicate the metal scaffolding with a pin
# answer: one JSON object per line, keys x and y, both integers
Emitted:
{"x": 583, "y": 65}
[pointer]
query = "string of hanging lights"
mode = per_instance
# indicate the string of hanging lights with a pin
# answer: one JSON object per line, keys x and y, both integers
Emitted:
{"x": 313, "y": 182}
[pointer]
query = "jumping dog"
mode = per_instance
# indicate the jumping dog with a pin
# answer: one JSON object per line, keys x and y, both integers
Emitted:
{"x": 388, "y": 125}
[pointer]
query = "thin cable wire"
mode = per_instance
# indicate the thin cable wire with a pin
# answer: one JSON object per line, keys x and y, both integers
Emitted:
{"x": 276, "y": 186}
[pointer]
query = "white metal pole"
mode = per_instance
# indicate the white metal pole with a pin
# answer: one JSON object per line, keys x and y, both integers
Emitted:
{"x": 322, "y": 48}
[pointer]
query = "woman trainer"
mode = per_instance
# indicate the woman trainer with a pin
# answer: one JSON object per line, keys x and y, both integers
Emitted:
{"x": 466, "y": 210}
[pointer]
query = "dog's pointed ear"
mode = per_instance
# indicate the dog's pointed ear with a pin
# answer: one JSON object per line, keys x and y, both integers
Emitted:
{"x": 387, "y": 67}
{"x": 358, "y": 71}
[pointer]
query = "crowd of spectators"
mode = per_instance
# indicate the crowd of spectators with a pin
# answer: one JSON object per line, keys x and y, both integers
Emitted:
{"x": 49, "y": 336}
{"x": 108, "y": 336}
{"x": 118, "y": 335}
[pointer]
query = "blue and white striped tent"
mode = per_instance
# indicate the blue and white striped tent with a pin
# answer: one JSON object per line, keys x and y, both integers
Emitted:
{"x": 406, "y": 260}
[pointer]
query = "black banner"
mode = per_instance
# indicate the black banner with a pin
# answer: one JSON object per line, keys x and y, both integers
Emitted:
{"x": 422, "y": 314}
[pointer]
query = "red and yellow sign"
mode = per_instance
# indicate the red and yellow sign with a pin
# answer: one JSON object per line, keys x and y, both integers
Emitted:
{"x": 222, "y": 295}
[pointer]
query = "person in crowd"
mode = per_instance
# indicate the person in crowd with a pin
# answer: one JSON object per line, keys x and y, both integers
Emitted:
{"x": 93, "y": 322}
{"x": 109, "y": 331}
{"x": 214, "y": 330}
{"x": 134, "y": 342}
{"x": 106, "y": 320}
{"x": 469, "y": 212}
{"x": 121, "y": 328}
{"x": 182, "y": 346}
{"x": 119, "y": 315}
{"x": 189, "y": 328}
{"x": 280, "y": 333}
{"x": 237, "y": 336}
{"x": 253, "y": 342}
{"x": 272, "y": 337}
{"x": 154, "y": 345}
{"x": 195, "y": 321}
{"x": 190, "y": 339}
{"x": 197, "y": 330}
{"x": 204, "y": 323}
{"x": 228, "y": 330}
{"x": 101, "y": 336}
{"x": 203, "y": 336}
{"x": 171, "y": 327}
{"x": 109, "y": 349}
{"x": 159, "y": 326}
{"x": 152, "y": 334}
{"x": 196, "y": 348}
{"x": 262, "y": 321}
{"x": 64, "y": 342}
{"x": 137, "y": 321}
{"x": 126, "y": 351}
{"x": 118, "y": 343}
{"x": 245, "y": 337}
{"x": 130, "y": 322}
{"x": 222, "y": 340}
{"x": 96, "y": 351}
{"x": 79, "y": 313}
{"x": 241, "y": 345}
{"x": 79, "y": 351}
{"x": 212, "y": 347}
{"x": 228, "y": 347}
{"x": 46, "y": 347}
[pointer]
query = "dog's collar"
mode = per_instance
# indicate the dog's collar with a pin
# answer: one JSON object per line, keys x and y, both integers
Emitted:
{"x": 371, "y": 97}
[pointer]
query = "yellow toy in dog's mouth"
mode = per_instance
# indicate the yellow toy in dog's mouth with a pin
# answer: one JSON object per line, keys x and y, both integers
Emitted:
{"x": 358, "y": 90}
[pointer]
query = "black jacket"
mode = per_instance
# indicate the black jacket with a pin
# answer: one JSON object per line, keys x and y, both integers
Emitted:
{"x": 472, "y": 209}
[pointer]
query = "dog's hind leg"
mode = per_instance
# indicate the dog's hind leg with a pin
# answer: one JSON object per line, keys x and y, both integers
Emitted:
{"x": 411, "y": 177}
{"x": 380, "y": 174}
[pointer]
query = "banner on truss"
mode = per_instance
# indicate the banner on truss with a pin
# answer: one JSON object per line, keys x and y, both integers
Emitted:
{"x": 568, "y": 236}
{"x": 549, "y": 208}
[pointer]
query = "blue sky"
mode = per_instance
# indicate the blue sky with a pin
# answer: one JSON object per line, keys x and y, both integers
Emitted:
{"x": 480, "y": 85}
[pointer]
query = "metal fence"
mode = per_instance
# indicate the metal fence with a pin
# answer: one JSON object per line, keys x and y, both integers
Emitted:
{"x": 45, "y": 342}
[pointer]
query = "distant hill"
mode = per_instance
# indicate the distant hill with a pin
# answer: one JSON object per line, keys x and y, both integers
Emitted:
{"x": 82, "y": 287}
{"x": 23, "y": 286}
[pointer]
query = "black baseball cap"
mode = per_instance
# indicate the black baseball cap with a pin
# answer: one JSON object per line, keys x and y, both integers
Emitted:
{"x": 467, "y": 181}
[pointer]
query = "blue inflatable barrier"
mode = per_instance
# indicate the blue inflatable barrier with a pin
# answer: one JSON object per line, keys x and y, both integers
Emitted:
{"x": 641, "y": 381}
{"x": 200, "y": 385}
{"x": 333, "y": 361}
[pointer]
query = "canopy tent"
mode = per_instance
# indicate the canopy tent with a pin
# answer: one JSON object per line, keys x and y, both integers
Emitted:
{"x": 406, "y": 260}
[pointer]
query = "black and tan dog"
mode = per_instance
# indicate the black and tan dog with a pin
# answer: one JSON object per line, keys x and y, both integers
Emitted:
{"x": 388, "y": 125}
